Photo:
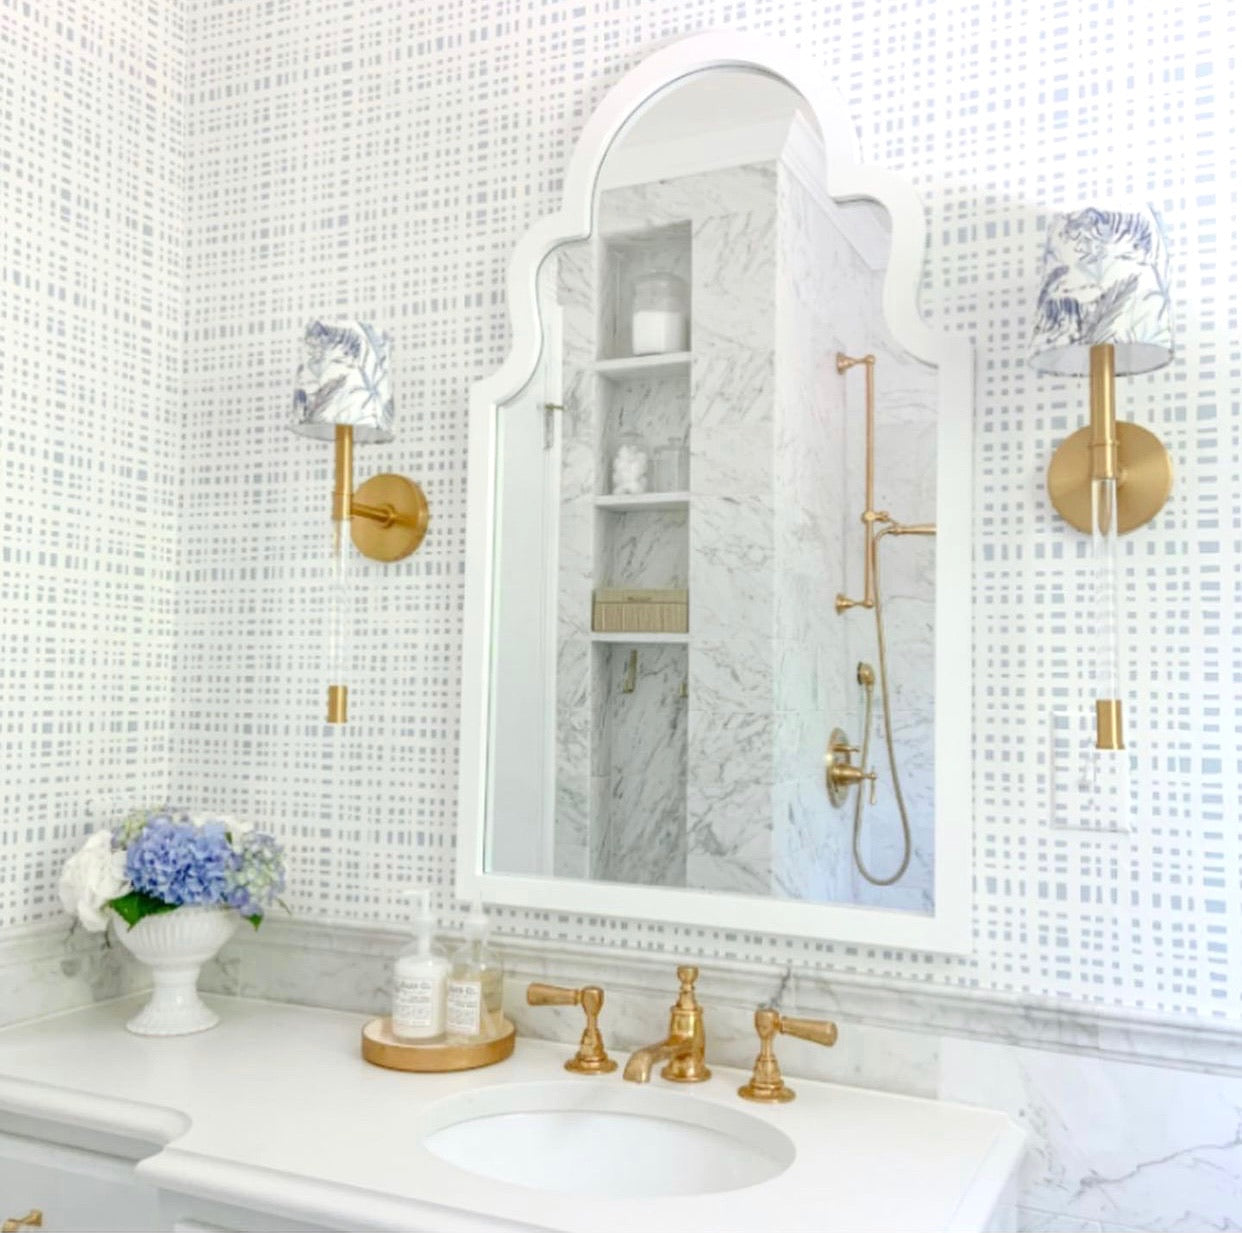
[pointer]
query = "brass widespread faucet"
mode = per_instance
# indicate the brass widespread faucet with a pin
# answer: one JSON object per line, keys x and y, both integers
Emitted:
{"x": 684, "y": 1048}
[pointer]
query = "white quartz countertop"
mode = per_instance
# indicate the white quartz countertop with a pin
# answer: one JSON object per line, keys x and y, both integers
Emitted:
{"x": 276, "y": 1110}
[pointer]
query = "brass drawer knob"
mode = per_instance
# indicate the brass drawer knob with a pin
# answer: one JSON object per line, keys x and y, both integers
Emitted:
{"x": 591, "y": 1058}
{"x": 766, "y": 1084}
{"x": 33, "y": 1219}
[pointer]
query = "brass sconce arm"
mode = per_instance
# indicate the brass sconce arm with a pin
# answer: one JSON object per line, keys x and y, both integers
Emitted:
{"x": 391, "y": 503}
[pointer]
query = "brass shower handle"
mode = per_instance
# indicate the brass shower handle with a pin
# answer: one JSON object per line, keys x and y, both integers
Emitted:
{"x": 840, "y": 774}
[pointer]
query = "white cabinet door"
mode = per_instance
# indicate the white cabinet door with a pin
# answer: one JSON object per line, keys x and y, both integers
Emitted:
{"x": 78, "y": 1191}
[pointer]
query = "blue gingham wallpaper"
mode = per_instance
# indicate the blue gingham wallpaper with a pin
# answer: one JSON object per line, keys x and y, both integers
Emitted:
{"x": 379, "y": 159}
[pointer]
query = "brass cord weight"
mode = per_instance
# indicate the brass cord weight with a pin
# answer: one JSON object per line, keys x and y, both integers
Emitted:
{"x": 766, "y": 1086}
{"x": 591, "y": 1058}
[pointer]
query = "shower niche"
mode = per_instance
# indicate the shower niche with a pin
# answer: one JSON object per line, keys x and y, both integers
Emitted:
{"x": 657, "y": 727}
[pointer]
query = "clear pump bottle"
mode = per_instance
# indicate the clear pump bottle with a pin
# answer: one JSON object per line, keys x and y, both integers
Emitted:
{"x": 476, "y": 984}
{"x": 420, "y": 979}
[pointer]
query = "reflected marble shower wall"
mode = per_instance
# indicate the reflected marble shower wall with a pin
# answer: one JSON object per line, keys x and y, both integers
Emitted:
{"x": 724, "y": 789}
{"x": 820, "y": 282}
{"x": 638, "y": 831}
{"x": 733, "y": 484}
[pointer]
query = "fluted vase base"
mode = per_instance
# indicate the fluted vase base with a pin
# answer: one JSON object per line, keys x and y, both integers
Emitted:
{"x": 175, "y": 945}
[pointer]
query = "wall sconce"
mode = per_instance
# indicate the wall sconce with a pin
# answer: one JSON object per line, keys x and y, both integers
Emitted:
{"x": 343, "y": 394}
{"x": 1104, "y": 309}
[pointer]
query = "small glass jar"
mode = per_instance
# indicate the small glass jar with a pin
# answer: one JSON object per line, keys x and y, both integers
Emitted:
{"x": 659, "y": 315}
{"x": 670, "y": 467}
{"x": 631, "y": 465}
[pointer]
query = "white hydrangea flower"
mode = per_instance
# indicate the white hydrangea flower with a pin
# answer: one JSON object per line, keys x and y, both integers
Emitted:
{"x": 92, "y": 876}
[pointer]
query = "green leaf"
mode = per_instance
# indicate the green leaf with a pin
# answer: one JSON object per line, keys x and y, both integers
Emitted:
{"x": 256, "y": 920}
{"x": 133, "y": 907}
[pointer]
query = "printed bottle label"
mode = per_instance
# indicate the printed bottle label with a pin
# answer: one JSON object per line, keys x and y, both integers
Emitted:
{"x": 413, "y": 1004}
{"x": 465, "y": 1001}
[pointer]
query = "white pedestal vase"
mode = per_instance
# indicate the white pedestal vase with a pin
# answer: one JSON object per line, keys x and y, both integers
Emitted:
{"x": 175, "y": 945}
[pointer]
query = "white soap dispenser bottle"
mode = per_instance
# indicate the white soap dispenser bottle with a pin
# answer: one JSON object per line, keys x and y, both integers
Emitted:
{"x": 476, "y": 984}
{"x": 420, "y": 979}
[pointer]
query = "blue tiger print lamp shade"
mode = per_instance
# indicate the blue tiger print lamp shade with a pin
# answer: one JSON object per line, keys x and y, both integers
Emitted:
{"x": 1105, "y": 280}
{"x": 343, "y": 380}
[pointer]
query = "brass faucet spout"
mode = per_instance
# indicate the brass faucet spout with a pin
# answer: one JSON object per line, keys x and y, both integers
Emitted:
{"x": 638, "y": 1068}
{"x": 684, "y": 1049}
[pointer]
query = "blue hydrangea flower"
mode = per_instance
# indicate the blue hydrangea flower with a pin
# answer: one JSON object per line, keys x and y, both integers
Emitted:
{"x": 258, "y": 878}
{"x": 178, "y": 862}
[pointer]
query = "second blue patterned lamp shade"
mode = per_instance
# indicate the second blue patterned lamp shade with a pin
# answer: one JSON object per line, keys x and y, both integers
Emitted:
{"x": 343, "y": 379}
{"x": 1105, "y": 280}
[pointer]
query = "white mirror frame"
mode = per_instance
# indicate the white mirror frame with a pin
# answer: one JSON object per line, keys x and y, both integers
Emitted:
{"x": 948, "y": 928}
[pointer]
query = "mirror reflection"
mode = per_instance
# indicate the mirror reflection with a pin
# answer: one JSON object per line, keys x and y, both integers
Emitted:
{"x": 714, "y": 655}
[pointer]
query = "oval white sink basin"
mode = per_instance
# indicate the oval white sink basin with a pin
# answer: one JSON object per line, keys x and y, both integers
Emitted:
{"x": 587, "y": 1139}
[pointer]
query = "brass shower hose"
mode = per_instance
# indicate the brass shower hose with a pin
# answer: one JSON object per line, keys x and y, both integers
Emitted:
{"x": 866, "y": 678}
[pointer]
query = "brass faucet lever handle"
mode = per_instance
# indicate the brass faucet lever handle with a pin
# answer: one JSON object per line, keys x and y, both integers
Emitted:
{"x": 821, "y": 1031}
{"x": 767, "y": 1086}
{"x": 33, "y": 1219}
{"x": 592, "y": 1058}
{"x": 552, "y": 995}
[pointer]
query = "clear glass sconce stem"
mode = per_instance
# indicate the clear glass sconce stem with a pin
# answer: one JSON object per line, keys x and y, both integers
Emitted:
{"x": 1105, "y": 478}
{"x": 1107, "y": 683}
{"x": 338, "y": 588}
{"x": 337, "y": 597}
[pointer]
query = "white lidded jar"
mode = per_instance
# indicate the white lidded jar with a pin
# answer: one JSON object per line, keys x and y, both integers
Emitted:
{"x": 420, "y": 979}
{"x": 476, "y": 984}
{"x": 631, "y": 465}
{"x": 659, "y": 315}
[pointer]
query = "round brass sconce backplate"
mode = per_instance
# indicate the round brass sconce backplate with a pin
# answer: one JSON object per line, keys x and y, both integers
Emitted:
{"x": 389, "y": 540}
{"x": 1145, "y": 477}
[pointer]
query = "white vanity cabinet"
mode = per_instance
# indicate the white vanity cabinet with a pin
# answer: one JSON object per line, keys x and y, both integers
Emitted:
{"x": 82, "y": 1181}
{"x": 79, "y": 1181}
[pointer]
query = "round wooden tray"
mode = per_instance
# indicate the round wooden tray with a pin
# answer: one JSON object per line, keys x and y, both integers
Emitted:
{"x": 381, "y": 1048}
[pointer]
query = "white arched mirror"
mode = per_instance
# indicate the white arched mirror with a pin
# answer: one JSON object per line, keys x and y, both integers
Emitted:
{"x": 717, "y": 661}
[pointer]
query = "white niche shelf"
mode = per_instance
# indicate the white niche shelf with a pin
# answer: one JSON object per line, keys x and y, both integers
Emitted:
{"x": 643, "y": 501}
{"x": 630, "y": 366}
{"x": 641, "y": 639}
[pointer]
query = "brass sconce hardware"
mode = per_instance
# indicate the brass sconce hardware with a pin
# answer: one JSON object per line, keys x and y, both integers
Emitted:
{"x": 1103, "y": 309}
{"x": 343, "y": 392}
{"x": 766, "y": 1084}
{"x": 684, "y": 1049}
{"x": 387, "y": 514}
{"x": 1107, "y": 479}
{"x": 33, "y": 1219}
{"x": 1144, "y": 476}
{"x": 591, "y": 1058}
{"x": 840, "y": 774}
